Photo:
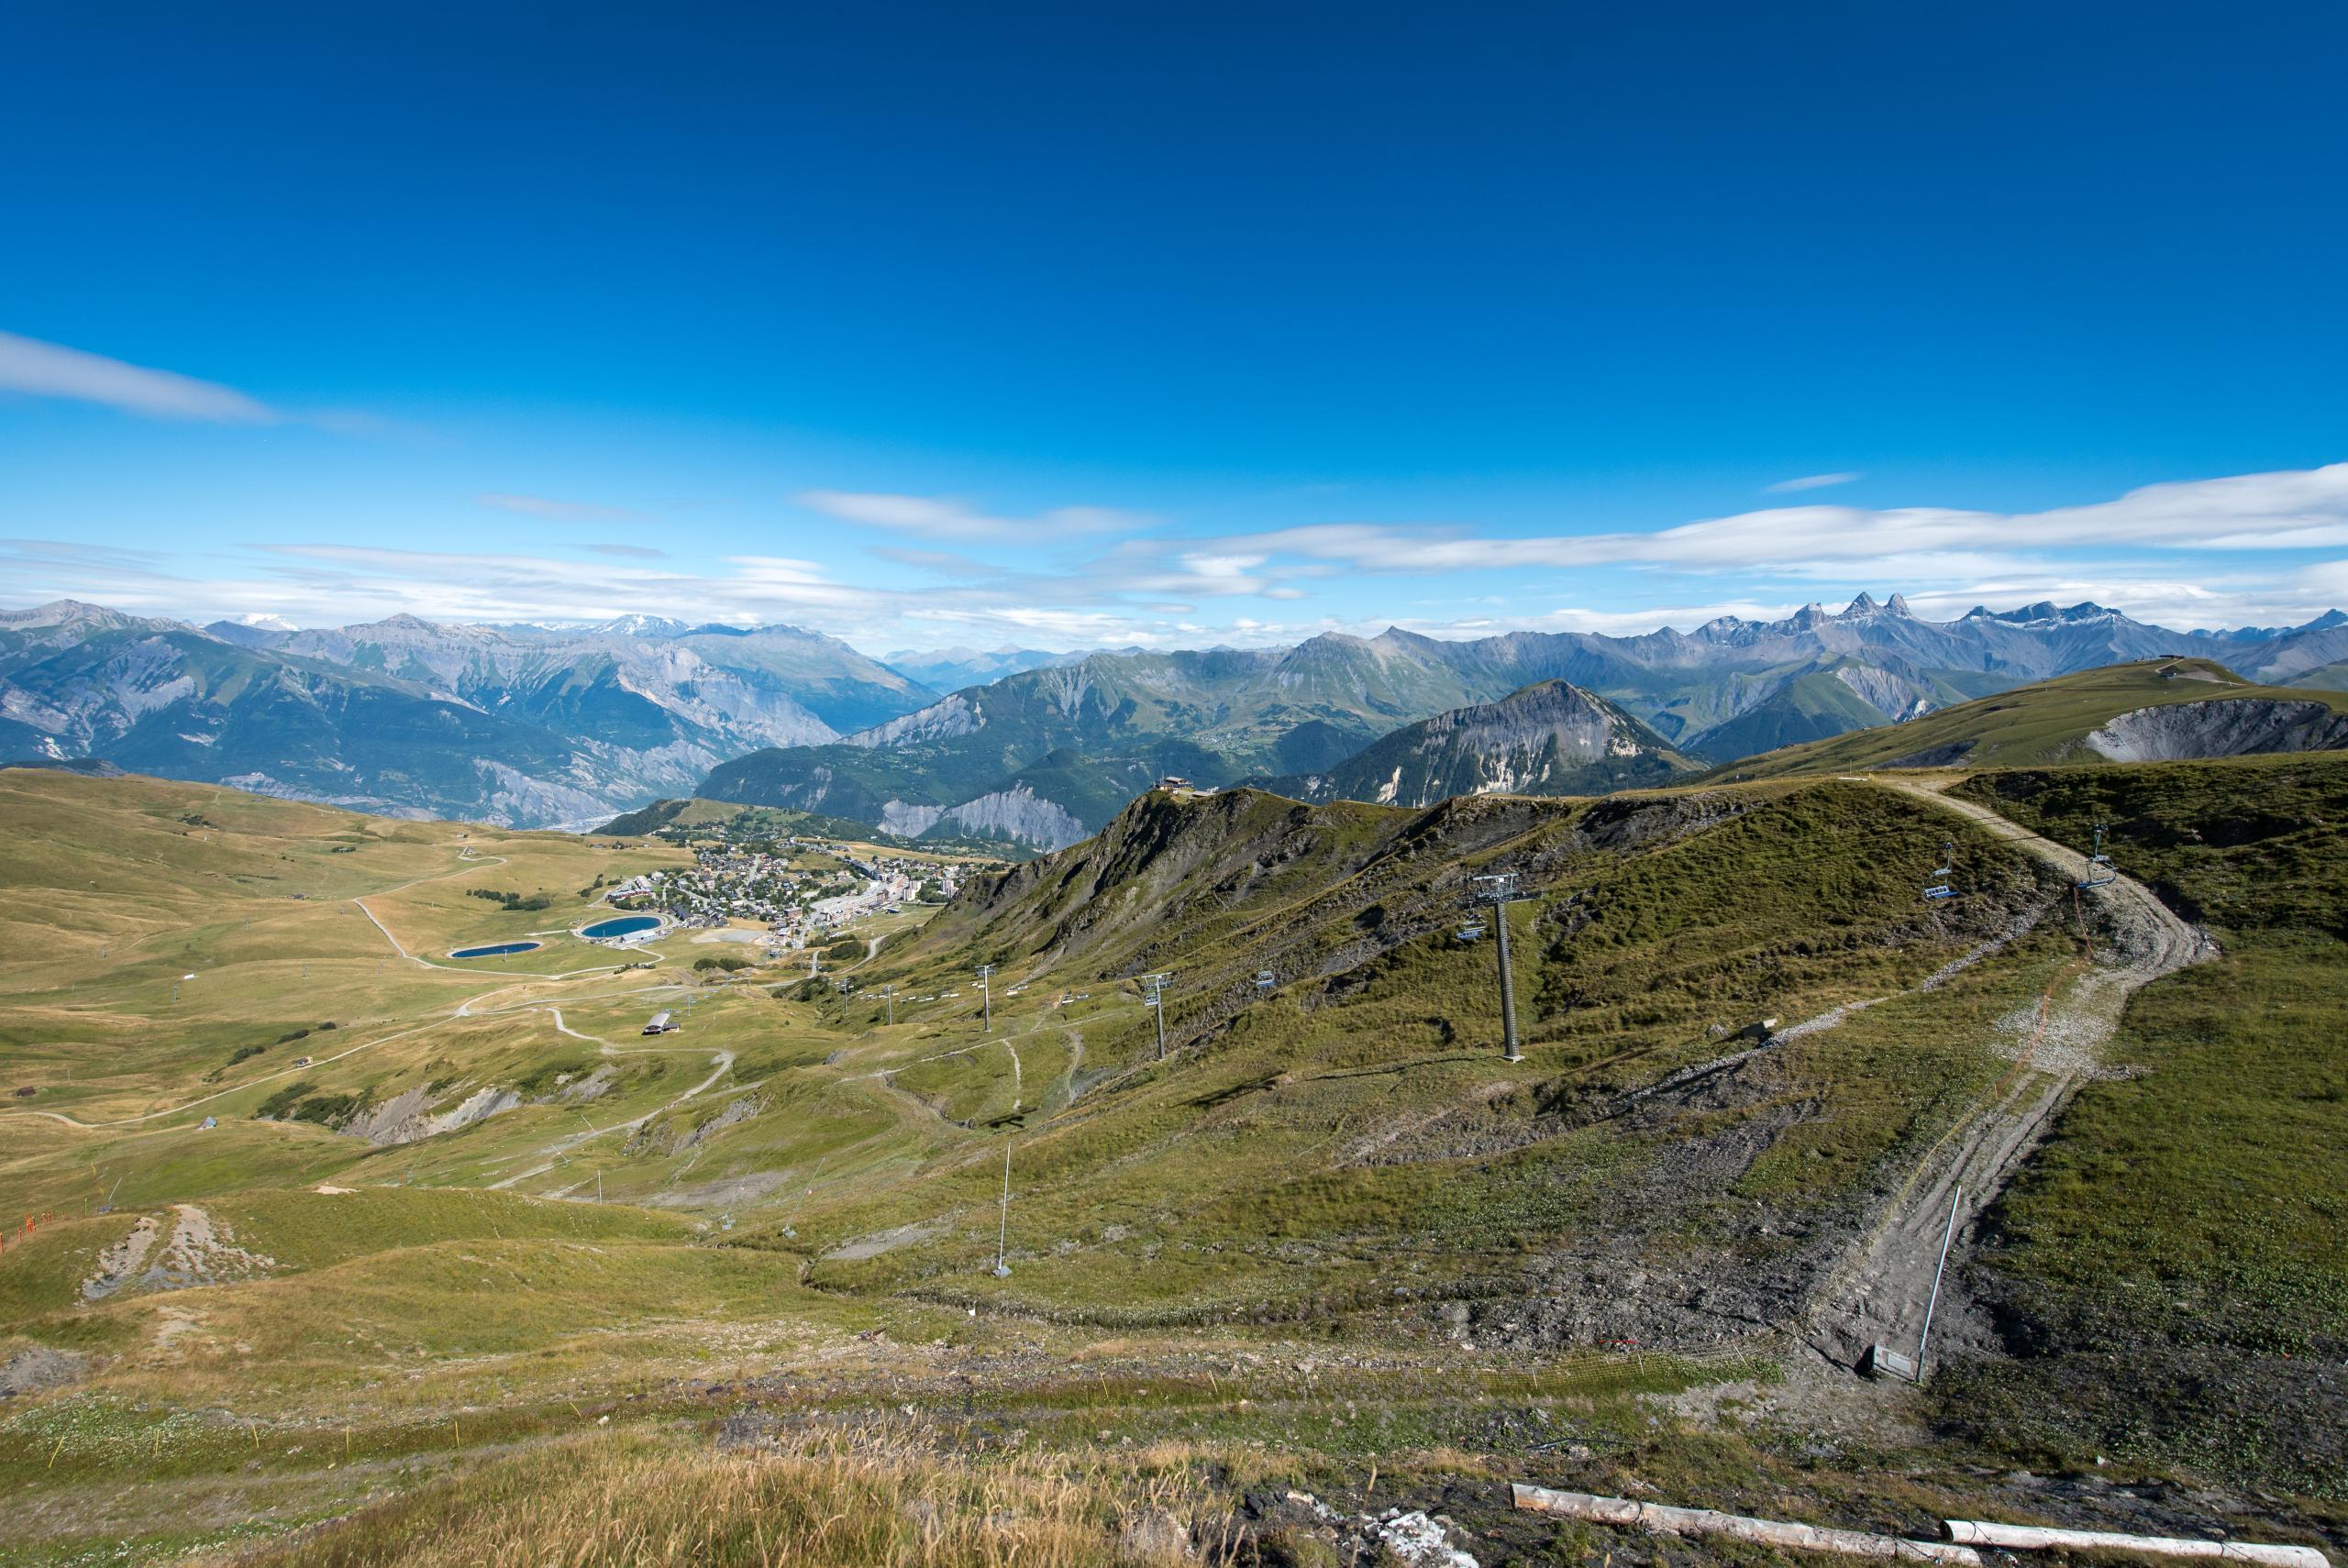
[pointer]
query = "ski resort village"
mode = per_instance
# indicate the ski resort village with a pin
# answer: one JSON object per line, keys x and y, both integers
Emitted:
{"x": 803, "y": 891}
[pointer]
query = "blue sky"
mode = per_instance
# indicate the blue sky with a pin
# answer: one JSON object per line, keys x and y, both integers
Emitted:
{"x": 1090, "y": 325}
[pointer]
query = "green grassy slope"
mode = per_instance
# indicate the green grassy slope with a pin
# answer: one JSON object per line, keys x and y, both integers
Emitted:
{"x": 2046, "y": 722}
{"x": 2175, "y": 1265}
{"x": 1355, "y": 1124}
{"x": 738, "y": 821}
{"x": 1332, "y": 1224}
{"x": 1811, "y": 706}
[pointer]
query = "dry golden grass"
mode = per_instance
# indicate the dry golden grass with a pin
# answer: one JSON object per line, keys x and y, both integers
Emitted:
{"x": 869, "y": 1496}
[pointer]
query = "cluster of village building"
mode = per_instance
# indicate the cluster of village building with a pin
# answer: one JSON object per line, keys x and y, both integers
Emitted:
{"x": 800, "y": 896}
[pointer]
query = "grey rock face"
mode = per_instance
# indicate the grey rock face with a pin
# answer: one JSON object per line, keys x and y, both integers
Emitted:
{"x": 2226, "y": 726}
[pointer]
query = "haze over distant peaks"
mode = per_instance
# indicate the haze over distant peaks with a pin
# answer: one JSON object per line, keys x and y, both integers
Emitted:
{"x": 537, "y": 724}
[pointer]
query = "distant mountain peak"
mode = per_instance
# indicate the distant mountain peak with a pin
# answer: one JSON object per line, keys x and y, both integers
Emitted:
{"x": 65, "y": 611}
{"x": 641, "y": 626}
{"x": 1864, "y": 604}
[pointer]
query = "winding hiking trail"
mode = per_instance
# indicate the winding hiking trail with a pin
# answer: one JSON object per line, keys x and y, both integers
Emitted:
{"x": 1878, "y": 1293}
{"x": 722, "y": 1063}
{"x": 464, "y": 1008}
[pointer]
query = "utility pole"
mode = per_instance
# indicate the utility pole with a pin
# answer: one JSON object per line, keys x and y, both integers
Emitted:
{"x": 1157, "y": 1004}
{"x": 986, "y": 996}
{"x": 1002, "y": 1223}
{"x": 1499, "y": 891}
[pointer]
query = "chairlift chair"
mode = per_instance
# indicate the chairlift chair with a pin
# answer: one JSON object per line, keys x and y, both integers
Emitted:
{"x": 2099, "y": 860}
{"x": 1472, "y": 932}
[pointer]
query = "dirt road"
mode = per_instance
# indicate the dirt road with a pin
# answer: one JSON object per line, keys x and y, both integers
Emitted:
{"x": 1878, "y": 1293}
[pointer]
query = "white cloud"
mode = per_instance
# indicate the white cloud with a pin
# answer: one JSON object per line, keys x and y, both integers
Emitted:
{"x": 1809, "y": 481}
{"x": 538, "y": 506}
{"x": 931, "y": 517}
{"x": 2290, "y": 510}
{"x": 2135, "y": 552}
{"x": 51, "y": 369}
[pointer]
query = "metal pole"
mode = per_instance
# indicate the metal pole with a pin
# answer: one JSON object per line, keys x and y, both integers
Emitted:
{"x": 1003, "y": 1224}
{"x": 1158, "y": 1005}
{"x": 1932, "y": 1301}
{"x": 889, "y": 995}
{"x": 1508, "y": 989}
{"x": 1501, "y": 890}
{"x": 986, "y": 996}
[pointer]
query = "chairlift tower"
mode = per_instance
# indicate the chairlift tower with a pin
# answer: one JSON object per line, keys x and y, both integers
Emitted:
{"x": 986, "y": 998}
{"x": 1156, "y": 1003}
{"x": 889, "y": 995}
{"x": 1498, "y": 889}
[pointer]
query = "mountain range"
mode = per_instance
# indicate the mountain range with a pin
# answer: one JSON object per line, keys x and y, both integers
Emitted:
{"x": 534, "y": 724}
{"x": 520, "y": 725}
{"x": 1046, "y": 756}
{"x": 950, "y": 669}
{"x": 1551, "y": 738}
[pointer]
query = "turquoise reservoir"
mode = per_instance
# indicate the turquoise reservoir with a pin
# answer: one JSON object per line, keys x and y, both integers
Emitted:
{"x": 626, "y": 926}
{"x": 498, "y": 951}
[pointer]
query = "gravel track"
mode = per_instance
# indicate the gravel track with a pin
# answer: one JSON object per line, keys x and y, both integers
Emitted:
{"x": 1878, "y": 1292}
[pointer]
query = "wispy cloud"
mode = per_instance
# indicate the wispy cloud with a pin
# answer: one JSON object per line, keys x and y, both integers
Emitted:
{"x": 932, "y": 518}
{"x": 2198, "y": 553}
{"x": 1809, "y": 481}
{"x": 2293, "y": 509}
{"x": 549, "y": 511}
{"x": 51, "y": 369}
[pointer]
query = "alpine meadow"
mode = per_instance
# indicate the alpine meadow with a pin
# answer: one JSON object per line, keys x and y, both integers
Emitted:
{"x": 1058, "y": 787}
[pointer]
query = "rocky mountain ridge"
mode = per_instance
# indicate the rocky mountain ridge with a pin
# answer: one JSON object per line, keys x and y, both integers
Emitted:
{"x": 522, "y": 727}
{"x": 1551, "y": 738}
{"x": 1729, "y": 688}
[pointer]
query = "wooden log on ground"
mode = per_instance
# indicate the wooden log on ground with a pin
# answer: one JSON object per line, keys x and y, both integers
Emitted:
{"x": 1665, "y": 1521}
{"x": 2031, "y": 1538}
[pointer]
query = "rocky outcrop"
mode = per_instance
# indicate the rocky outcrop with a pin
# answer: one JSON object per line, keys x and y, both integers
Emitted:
{"x": 1019, "y": 814}
{"x": 1551, "y": 738}
{"x": 2228, "y": 726}
{"x": 907, "y": 820}
{"x": 404, "y": 1117}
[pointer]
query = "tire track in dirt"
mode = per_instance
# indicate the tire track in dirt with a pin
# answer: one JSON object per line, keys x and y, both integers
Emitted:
{"x": 1878, "y": 1293}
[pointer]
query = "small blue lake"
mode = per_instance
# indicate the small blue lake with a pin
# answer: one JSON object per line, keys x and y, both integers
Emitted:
{"x": 625, "y": 926}
{"x": 498, "y": 951}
